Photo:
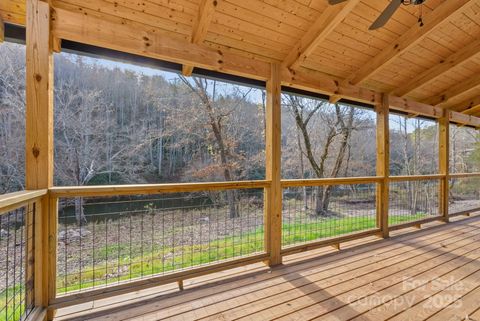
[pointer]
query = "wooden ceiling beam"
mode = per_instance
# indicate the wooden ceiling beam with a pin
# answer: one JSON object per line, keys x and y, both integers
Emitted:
{"x": 463, "y": 119}
{"x": 439, "y": 69}
{"x": 445, "y": 11}
{"x": 200, "y": 27}
{"x": 414, "y": 108}
{"x": 330, "y": 18}
{"x": 467, "y": 105}
{"x": 472, "y": 111}
{"x": 145, "y": 41}
{"x": 315, "y": 81}
{"x": 455, "y": 91}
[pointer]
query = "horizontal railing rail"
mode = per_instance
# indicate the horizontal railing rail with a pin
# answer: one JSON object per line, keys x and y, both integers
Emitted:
{"x": 405, "y": 178}
{"x": 462, "y": 175}
{"x": 118, "y": 190}
{"x": 330, "y": 181}
{"x": 12, "y": 201}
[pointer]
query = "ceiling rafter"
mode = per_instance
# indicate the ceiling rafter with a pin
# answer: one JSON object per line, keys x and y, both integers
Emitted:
{"x": 330, "y": 18}
{"x": 453, "y": 92}
{"x": 441, "y": 68}
{"x": 445, "y": 11}
{"x": 206, "y": 9}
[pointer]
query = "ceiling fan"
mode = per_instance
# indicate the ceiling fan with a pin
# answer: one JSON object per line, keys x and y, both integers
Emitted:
{"x": 388, "y": 12}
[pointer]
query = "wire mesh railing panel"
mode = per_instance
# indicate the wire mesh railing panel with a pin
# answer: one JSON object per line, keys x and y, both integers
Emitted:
{"x": 312, "y": 213}
{"x": 16, "y": 266}
{"x": 103, "y": 241}
{"x": 464, "y": 194}
{"x": 414, "y": 200}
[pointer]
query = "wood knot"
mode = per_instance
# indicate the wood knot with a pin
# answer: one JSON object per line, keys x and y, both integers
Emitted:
{"x": 215, "y": 3}
{"x": 220, "y": 61}
{"x": 145, "y": 38}
{"x": 35, "y": 151}
{"x": 38, "y": 77}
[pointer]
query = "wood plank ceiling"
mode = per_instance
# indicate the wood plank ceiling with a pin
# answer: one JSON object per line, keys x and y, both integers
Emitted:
{"x": 437, "y": 64}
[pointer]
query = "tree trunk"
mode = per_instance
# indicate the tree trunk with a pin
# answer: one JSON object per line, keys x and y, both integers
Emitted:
{"x": 322, "y": 200}
{"x": 79, "y": 211}
{"x": 215, "y": 123}
{"x": 302, "y": 170}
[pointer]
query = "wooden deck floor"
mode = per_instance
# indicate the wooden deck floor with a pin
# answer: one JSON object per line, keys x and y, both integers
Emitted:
{"x": 429, "y": 274}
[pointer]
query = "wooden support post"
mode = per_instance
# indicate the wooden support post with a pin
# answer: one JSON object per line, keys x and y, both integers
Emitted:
{"x": 336, "y": 246}
{"x": 273, "y": 194}
{"x": 383, "y": 164}
{"x": 39, "y": 97}
{"x": 444, "y": 163}
{"x": 2, "y": 30}
{"x": 39, "y": 142}
{"x": 180, "y": 285}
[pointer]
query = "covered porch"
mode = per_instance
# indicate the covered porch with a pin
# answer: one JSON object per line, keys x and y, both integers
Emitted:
{"x": 389, "y": 244}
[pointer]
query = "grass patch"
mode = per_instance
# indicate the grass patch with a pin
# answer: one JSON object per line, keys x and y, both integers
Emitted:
{"x": 399, "y": 219}
{"x": 12, "y": 303}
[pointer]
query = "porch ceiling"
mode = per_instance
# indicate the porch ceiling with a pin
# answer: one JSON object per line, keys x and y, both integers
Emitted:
{"x": 437, "y": 64}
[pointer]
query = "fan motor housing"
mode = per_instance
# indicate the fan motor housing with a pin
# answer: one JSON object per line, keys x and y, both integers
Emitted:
{"x": 414, "y": 2}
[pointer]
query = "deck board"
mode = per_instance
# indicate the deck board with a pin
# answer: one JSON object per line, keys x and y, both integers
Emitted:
{"x": 433, "y": 273}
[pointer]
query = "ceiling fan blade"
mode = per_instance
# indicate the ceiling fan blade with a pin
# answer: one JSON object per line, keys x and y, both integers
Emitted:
{"x": 386, "y": 14}
{"x": 334, "y": 2}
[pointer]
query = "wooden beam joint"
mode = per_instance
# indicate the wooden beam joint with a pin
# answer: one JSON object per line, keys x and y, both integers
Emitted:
{"x": 200, "y": 27}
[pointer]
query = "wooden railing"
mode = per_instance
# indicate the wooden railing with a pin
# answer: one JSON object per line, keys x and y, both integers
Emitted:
{"x": 356, "y": 215}
{"x": 21, "y": 288}
{"x": 174, "y": 274}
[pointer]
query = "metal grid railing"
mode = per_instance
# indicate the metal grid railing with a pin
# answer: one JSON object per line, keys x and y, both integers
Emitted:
{"x": 413, "y": 200}
{"x": 313, "y": 213}
{"x": 16, "y": 266}
{"x": 464, "y": 194}
{"x": 119, "y": 239}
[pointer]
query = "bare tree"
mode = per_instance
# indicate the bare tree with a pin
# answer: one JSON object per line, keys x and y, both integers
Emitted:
{"x": 216, "y": 117}
{"x": 339, "y": 126}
